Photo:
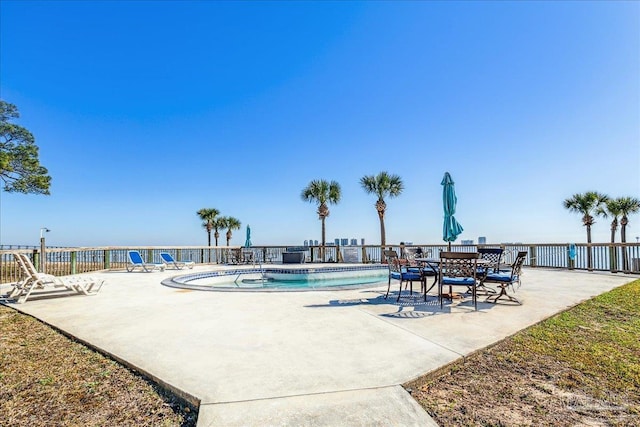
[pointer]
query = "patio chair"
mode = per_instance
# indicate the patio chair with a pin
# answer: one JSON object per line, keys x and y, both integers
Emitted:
{"x": 402, "y": 273}
{"x": 504, "y": 280}
{"x": 33, "y": 280}
{"x": 458, "y": 269}
{"x": 426, "y": 270}
{"x": 248, "y": 256}
{"x": 494, "y": 257}
{"x": 168, "y": 260}
{"x": 136, "y": 262}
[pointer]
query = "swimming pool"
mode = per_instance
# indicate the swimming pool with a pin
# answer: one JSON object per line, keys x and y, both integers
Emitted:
{"x": 283, "y": 278}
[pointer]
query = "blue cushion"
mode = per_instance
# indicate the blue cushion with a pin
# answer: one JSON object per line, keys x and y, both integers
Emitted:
{"x": 494, "y": 277}
{"x": 466, "y": 281}
{"x": 405, "y": 276}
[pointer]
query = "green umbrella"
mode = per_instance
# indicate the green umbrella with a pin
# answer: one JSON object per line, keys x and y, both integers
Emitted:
{"x": 451, "y": 228}
{"x": 247, "y": 242}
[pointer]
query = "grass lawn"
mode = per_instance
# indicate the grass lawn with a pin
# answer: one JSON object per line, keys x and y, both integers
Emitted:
{"x": 580, "y": 367}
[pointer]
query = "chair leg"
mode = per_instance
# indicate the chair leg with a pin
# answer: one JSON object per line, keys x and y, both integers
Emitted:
{"x": 388, "y": 288}
{"x": 503, "y": 293}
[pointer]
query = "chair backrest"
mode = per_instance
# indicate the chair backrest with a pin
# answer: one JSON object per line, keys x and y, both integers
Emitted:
{"x": 458, "y": 264}
{"x": 493, "y": 255}
{"x": 410, "y": 254}
{"x": 516, "y": 267}
{"x": 135, "y": 257}
{"x": 27, "y": 265}
{"x": 23, "y": 266}
{"x": 167, "y": 257}
{"x": 392, "y": 261}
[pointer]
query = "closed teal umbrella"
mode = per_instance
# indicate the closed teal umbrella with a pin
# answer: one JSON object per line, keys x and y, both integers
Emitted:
{"x": 247, "y": 242}
{"x": 451, "y": 229}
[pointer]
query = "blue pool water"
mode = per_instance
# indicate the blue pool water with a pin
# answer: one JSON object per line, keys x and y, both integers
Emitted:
{"x": 283, "y": 278}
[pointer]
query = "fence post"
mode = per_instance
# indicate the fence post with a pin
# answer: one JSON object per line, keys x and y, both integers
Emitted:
{"x": 107, "y": 259}
{"x": 613, "y": 258}
{"x": 533, "y": 256}
{"x": 36, "y": 259}
{"x": 74, "y": 262}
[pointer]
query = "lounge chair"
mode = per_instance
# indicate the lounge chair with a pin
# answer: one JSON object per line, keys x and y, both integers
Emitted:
{"x": 168, "y": 260}
{"x": 85, "y": 285}
{"x": 136, "y": 261}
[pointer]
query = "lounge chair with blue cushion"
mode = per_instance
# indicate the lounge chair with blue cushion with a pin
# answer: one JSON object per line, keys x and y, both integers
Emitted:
{"x": 136, "y": 261}
{"x": 168, "y": 260}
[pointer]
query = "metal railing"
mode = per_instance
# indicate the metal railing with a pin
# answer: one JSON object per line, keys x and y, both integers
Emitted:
{"x": 615, "y": 258}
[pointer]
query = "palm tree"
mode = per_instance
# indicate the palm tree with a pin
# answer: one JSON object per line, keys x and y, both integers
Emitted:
{"x": 612, "y": 209}
{"x": 322, "y": 192}
{"x": 628, "y": 206}
{"x": 208, "y": 216}
{"x": 588, "y": 204}
{"x": 217, "y": 224}
{"x": 230, "y": 223}
{"x": 383, "y": 185}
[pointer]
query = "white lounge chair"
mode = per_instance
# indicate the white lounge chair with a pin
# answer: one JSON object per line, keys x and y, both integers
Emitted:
{"x": 136, "y": 261}
{"x": 33, "y": 280}
{"x": 168, "y": 260}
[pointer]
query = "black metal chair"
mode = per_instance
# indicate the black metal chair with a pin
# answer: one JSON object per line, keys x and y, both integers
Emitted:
{"x": 402, "y": 273}
{"x": 494, "y": 257}
{"x": 504, "y": 280}
{"x": 458, "y": 269}
{"x": 425, "y": 270}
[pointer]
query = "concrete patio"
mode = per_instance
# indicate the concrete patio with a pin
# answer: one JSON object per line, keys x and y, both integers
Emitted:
{"x": 298, "y": 358}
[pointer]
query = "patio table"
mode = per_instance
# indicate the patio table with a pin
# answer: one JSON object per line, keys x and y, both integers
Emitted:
{"x": 434, "y": 265}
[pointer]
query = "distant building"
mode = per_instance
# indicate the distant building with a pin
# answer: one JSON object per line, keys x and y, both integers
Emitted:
{"x": 306, "y": 243}
{"x": 482, "y": 240}
{"x": 354, "y": 242}
{"x": 344, "y": 242}
{"x": 466, "y": 242}
{"x": 362, "y": 241}
{"x": 337, "y": 242}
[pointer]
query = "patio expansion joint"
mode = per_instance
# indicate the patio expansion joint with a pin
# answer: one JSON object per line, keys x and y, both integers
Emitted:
{"x": 409, "y": 331}
{"x": 288, "y": 396}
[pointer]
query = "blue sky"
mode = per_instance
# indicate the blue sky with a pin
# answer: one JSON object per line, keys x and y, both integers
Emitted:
{"x": 147, "y": 111}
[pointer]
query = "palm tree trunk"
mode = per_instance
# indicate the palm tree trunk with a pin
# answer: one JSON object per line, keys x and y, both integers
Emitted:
{"x": 383, "y": 239}
{"x": 623, "y": 239}
{"x": 323, "y": 240}
{"x": 589, "y": 262}
{"x": 613, "y": 254}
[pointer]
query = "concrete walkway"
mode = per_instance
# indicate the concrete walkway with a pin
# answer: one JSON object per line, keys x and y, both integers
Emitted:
{"x": 299, "y": 358}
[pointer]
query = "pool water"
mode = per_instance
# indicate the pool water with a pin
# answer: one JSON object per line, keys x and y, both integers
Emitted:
{"x": 283, "y": 278}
